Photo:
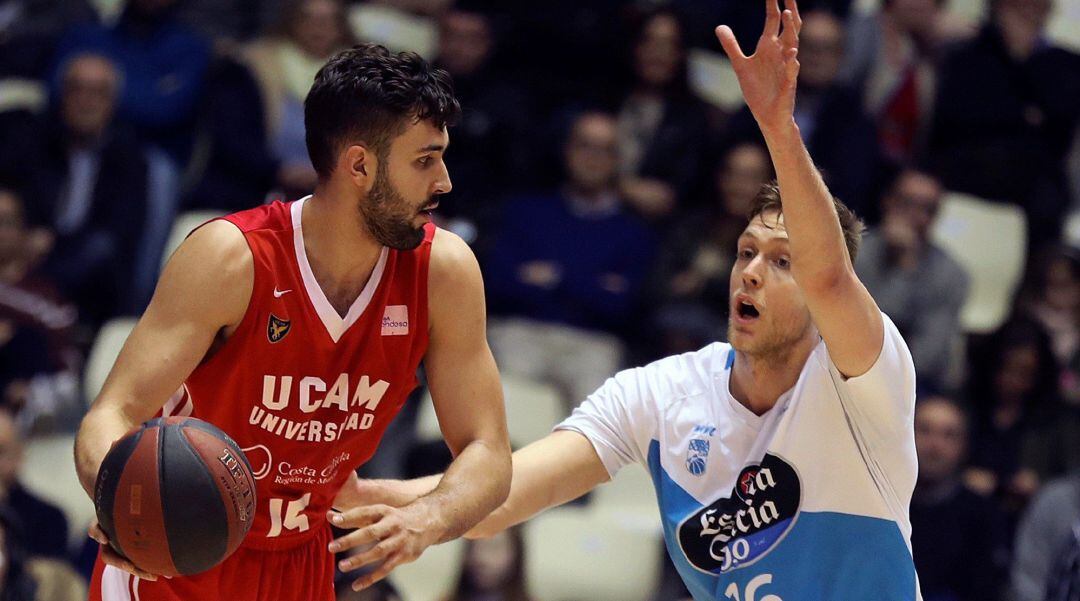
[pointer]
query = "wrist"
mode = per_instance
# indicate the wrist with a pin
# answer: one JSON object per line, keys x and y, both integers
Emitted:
{"x": 781, "y": 130}
{"x": 433, "y": 518}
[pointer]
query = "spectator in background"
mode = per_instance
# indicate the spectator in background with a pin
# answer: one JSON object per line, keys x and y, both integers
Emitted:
{"x": 29, "y": 30}
{"x": 564, "y": 273}
{"x": 694, "y": 267}
{"x": 663, "y": 130}
{"x": 162, "y": 63}
{"x": 955, "y": 533}
{"x": 1044, "y": 532}
{"x": 913, "y": 280}
{"x": 891, "y": 59}
{"x": 489, "y": 159}
{"x": 84, "y": 176}
{"x": 1013, "y": 390}
{"x": 838, "y": 134}
{"x": 38, "y": 360}
{"x": 493, "y": 569}
{"x": 44, "y": 525}
{"x": 1005, "y": 113}
{"x": 284, "y": 65}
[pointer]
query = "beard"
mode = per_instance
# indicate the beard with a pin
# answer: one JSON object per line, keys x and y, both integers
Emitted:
{"x": 774, "y": 343}
{"x": 388, "y": 216}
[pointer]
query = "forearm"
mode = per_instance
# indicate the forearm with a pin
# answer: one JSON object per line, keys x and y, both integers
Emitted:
{"x": 395, "y": 493}
{"x": 99, "y": 430}
{"x": 817, "y": 241}
{"x": 476, "y": 483}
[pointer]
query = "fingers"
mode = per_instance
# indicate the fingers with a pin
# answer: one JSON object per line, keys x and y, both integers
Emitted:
{"x": 369, "y": 579}
{"x": 97, "y": 533}
{"x": 772, "y": 18}
{"x": 377, "y": 553}
{"x": 364, "y": 536}
{"x": 358, "y": 517}
{"x": 112, "y": 558}
{"x": 793, "y": 6}
{"x": 730, "y": 44}
{"x": 790, "y": 35}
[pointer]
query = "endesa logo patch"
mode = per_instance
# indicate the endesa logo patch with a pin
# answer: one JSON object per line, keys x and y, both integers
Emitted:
{"x": 741, "y": 528}
{"x": 395, "y": 321}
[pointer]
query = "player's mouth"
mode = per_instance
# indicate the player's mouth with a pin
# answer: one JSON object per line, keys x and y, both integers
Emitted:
{"x": 429, "y": 209}
{"x": 744, "y": 309}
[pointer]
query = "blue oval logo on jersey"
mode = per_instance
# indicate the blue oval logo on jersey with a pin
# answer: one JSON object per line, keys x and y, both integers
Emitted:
{"x": 697, "y": 456}
{"x": 739, "y": 529}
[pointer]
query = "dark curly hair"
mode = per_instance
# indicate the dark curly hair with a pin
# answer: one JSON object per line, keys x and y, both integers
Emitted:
{"x": 368, "y": 94}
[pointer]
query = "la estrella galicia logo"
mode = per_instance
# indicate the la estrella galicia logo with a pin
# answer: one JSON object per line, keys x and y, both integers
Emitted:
{"x": 277, "y": 328}
{"x": 697, "y": 455}
{"x": 744, "y": 526}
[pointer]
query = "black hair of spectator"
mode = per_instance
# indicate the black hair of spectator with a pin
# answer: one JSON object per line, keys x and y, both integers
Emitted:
{"x": 1038, "y": 269}
{"x": 637, "y": 23}
{"x": 514, "y": 589}
{"x": 987, "y": 362}
{"x": 369, "y": 95}
{"x": 17, "y": 584}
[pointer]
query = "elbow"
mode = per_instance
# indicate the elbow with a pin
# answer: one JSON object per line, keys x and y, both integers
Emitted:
{"x": 826, "y": 281}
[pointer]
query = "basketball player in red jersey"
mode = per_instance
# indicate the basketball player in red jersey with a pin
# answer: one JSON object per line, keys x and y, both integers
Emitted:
{"x": 298, "y": 328}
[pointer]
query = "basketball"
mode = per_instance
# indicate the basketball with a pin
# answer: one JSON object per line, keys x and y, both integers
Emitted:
{"x": 175, "y": 496}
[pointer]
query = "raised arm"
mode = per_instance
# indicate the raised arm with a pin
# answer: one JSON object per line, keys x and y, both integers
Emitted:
{"x": 191, "y": 305}
{"x": 845, "y": 314}
{"x": 469, "y": 403}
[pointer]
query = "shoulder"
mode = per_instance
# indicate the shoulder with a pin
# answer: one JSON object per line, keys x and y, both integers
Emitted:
{"x": 679, "y": 376}
{"x": 451, "y": 256}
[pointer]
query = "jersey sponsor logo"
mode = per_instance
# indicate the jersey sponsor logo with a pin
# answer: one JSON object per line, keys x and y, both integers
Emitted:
{"x": 395, "y": 321}
{"x": 281, "y": 293}
{"x": 260, "y": 459}
{"x": 738, "y": 530}
{"x": 277, "y": 328}
{"x": 697, "y": 456}
{"x": 288, "y": 473}
{"x": 355, "y": 401}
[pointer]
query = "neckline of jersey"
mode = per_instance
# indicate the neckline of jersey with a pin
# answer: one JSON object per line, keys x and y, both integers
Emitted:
{"x": 335, "y": 324}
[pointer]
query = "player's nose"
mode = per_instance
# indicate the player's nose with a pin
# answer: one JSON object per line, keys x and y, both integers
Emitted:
{"x": 443, "y": 185}
{"x": 751, "y": 274}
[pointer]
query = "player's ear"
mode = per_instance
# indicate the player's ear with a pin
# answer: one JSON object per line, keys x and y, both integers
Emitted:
{"x": 360, "y": 163}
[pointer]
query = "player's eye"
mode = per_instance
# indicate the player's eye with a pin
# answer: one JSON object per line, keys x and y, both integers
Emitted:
{"x": 783, "y": 263}
{"x": 424, "y": 161}
{"x": 746, "y": 253}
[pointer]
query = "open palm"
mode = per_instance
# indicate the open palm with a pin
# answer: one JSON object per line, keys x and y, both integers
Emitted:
{"x": 768, "y": 76}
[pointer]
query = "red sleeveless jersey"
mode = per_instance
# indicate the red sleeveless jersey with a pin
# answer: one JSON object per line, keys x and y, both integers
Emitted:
{"x": 306, "y": 393}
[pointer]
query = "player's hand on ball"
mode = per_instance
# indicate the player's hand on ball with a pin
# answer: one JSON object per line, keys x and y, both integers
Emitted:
{"x": 399, "y": 536}
{"x": 111, "y": 557}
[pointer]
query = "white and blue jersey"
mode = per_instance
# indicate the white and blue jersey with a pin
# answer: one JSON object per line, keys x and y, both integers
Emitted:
{"x": 808, "y": 502}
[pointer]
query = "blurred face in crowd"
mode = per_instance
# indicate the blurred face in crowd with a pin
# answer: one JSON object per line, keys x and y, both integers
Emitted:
{"x": 821, "y": 50}
{"x": 914, "y": 16}
{"x": 1016, "y": 375}
{"x": 738, "y": 180}
{"x": 408, "y": 182}
{"x": 940, "y": 439}
{"x": 12, "y": 228}
{"x": 915, "y": 198}
{"x": 592, "y": 153}
{"x": 464, "y": 42}
{"x": 490, "y": 562}
{"x": 768, "y": 313}
{"x": 1062, "y": 290}
{"x": 90, "y": 87}
{"x": 318, "y": 27}
{"x": 10, "y": 452}
{"x": 1027, "y": 14}
{"x": 659, "y": 53}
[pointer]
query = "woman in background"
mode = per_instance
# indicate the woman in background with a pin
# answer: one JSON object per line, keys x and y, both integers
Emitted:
{"x": 493, "y": 570}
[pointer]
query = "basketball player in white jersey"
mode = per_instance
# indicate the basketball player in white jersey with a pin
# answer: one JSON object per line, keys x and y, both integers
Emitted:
{"x": 784, "y": 461}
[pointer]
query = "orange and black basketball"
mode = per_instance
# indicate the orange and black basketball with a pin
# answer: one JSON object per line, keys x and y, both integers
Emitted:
{"x": 176, "y": 496}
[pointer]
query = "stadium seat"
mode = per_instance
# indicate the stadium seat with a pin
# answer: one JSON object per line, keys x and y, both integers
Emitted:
{"x": 532, "y": 410}
{"x": 394, "y": 28}
{"x": 110, "y": 339}
{"x": 430, "y": 577}
{"x": 989, "y": 239}
{"x": 49, "y": 472}
{"x": 182, "y": 226}
{"x": 713, "y": 79}
{"x": 573, "y": 553}
{"x": 629, "y": 497}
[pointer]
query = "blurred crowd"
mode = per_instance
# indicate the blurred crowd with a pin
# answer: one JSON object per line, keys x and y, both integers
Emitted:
{"x": 601, "y": 173}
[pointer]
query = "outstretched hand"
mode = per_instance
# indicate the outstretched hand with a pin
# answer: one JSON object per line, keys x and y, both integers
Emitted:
{"x": 767, "y": 77}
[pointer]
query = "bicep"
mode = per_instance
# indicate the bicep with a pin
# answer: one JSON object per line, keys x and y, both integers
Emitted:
{"x": 849, "y": 322}
{"x": 190, "y": 306}
{"x": 462, "y": 375}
